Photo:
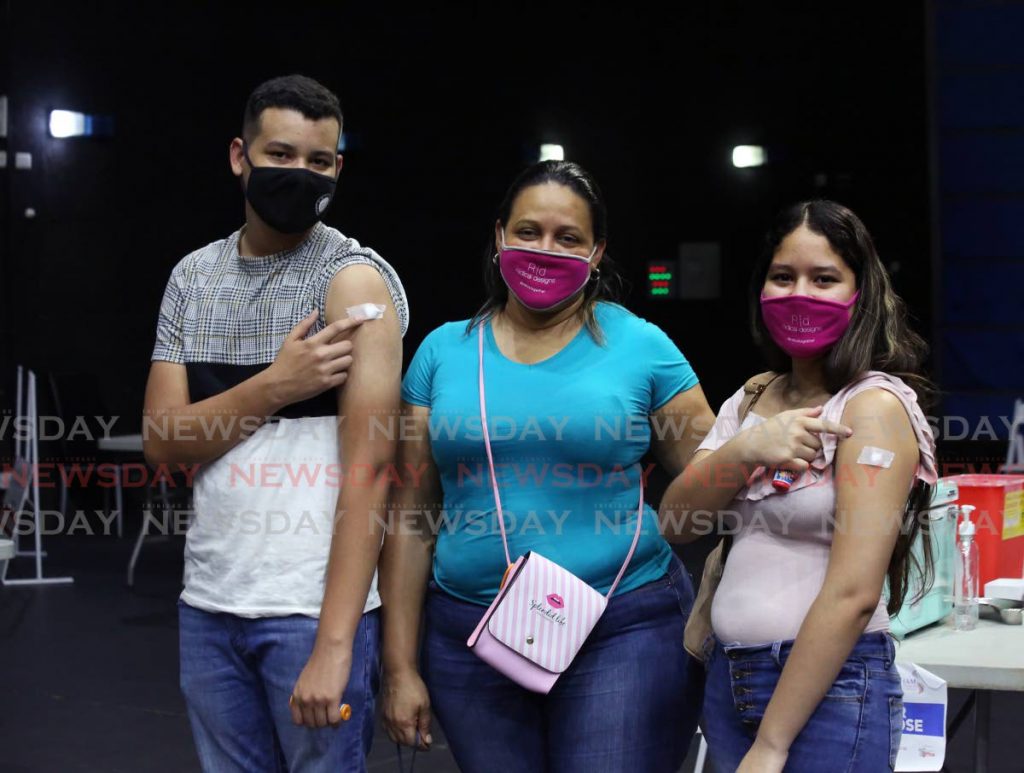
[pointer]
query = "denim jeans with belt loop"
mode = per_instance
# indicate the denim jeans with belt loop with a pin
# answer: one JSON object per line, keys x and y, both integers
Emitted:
{"x": 855, "y": 729}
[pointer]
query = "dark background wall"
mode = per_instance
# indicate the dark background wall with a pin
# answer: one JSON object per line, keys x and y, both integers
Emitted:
{"x": 443, "y": 106}
{"x": 979, "y": 140}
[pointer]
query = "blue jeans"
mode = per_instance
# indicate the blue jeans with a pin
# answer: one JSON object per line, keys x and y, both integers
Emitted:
{"x": 855, "y": 729}
{"x": 629, "y": 702}
{"x": 237, "y": 675}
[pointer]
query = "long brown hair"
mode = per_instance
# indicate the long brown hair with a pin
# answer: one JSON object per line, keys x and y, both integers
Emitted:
{"x": 879, "y": 338}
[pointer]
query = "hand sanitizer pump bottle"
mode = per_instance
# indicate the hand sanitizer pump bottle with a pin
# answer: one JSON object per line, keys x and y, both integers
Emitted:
{"x": 965, "y": 585}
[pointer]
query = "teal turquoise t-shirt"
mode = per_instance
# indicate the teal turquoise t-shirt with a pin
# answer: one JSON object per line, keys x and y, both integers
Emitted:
{"x": 567, "y": 435}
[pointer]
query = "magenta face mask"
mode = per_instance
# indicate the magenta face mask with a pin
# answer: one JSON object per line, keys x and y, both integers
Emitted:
{"x": 540, "y": 279}
{"x": 803, "y": 326}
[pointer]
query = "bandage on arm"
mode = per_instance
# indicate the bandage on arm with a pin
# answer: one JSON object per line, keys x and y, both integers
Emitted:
{"x": 365, "y": 311}
{"x": 876, "y": 457}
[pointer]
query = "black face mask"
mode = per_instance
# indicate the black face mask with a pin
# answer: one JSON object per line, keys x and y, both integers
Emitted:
{"x": 288, "y": 200}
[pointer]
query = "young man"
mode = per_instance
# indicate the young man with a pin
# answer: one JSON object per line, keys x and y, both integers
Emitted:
{"x": 260, "y": 376}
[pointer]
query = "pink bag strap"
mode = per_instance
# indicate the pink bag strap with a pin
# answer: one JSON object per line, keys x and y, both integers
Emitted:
{"x": 494, "y": 477}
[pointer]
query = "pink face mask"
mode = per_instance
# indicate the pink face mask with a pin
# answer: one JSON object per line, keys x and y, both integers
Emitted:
{"x": 541, "y": 279}
{"x": 803, "y": 326}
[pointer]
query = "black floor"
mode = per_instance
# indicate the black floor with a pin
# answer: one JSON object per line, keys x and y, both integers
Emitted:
{"x": 88, "y": 674}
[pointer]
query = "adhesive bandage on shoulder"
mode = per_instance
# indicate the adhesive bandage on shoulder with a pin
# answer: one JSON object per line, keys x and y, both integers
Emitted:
{"x": 365, "y": 311}
{"x": 876, "y": 457}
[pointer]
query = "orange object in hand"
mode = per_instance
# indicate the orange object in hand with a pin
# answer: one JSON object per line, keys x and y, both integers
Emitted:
{"x": 344, "y": 709}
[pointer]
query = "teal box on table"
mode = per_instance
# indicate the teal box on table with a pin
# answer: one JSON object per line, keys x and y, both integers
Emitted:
{"x": 937, "y": 602}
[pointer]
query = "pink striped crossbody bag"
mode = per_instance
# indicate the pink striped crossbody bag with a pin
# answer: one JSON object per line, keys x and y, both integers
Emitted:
{"x": 543, "y": 613}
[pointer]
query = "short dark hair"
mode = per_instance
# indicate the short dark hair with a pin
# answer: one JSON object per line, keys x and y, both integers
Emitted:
{"x": 296, "y": 92}
{"x": 605, "y": 285}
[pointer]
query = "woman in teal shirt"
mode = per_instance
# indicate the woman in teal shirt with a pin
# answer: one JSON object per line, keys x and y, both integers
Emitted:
{"x": 575, "y": 385}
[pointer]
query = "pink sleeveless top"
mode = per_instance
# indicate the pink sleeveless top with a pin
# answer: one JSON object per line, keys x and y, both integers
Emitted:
{"x": 776, "y": 566}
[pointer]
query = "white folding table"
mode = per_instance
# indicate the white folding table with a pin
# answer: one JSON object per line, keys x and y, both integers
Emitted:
{"x": 991, "y": 657}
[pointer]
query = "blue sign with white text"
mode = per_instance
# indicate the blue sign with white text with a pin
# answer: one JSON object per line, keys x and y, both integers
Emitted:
{"x": 923, "y": 718}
